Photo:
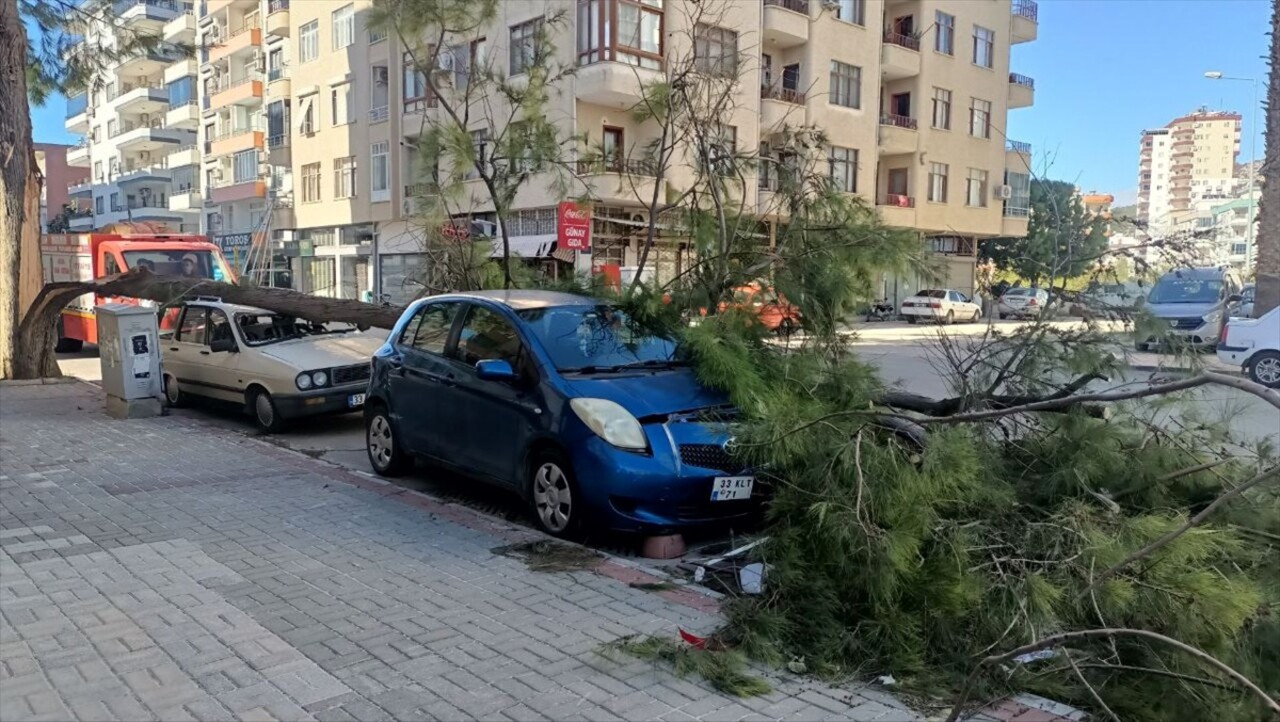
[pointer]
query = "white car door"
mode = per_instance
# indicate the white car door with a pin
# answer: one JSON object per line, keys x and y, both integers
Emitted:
{"x": 179, "y": 353}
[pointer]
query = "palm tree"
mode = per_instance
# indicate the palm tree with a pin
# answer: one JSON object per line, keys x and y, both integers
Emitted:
{"x": 1268, "y": 236}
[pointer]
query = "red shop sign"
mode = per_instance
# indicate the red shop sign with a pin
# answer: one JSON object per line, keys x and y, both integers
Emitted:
{"x": 573, "y": 227}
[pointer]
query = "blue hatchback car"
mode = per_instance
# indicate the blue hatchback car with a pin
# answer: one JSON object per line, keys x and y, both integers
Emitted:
{"x": 561, "y": 398}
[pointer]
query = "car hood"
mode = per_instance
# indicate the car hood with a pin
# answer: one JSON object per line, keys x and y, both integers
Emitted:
{"x": 648, "y": 393}
{"x": 322, "y": 352}
{"x": 1179, "y": 310}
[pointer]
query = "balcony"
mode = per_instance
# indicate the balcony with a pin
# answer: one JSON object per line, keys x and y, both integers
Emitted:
{"x": 899, "y": 56}
{"x": 156, "y": 173}
{"x": 1017, "y": 156}
{"x": 77, "y": 114}
{"x": 1022, "y": 90}
{"x": 786, "y": 23}
{"x": 81, "y": 221}
{"x": 379, "y": 114}
{"x": 238, "y": 40}
{"x": 181, "y": 69}
{"x": 617, "y": 179}
{"x": 898, "y": 134}
{"x": 240, "y": 91}
{"x": 278, "y": 18}
{"x": 185, "y": 201}
{"x": 780, "y": 107}
{"x": 78, "y": 156}
{"x": 181, "y": 29}
{"x": 151, "y": 14}
{"x": 185, "y": 116}
{"x": 144, "y": 99}
{"x": 278, "y": 83}
{"x": 1026, "y": 21}
{"x": 613, "y": 84}
{"x": 187, "y": 155}
{"x": 231, "y": 191}
{"x": 1013, "y": 222}
{"x": 152, "y": 139}
{"x": 897, "y": 210}
{"x": 235, "y": 141}
{"x": 80, "y": 188}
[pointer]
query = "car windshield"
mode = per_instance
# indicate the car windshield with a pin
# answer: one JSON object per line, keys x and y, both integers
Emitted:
{"x": 933, "y": 293}
{"x": 594, "y": 339}
{"x": 179, "y": 262}
{"x": 260, "y": 329}
{"x": 1246, "y": 295}
{"x": 1172, "y": 289}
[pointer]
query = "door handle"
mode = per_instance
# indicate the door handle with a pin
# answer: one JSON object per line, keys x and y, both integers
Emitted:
{"x": 173, "y": 348}
{"x": 204, "y": 353}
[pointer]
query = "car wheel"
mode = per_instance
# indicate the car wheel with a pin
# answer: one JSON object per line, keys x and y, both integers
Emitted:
{"x": 172, "y": 393}
{"x": 68, "y": 345}
{"x": 977, "y": 316}
{"x": 553, "y": 495}
{"x": 1003, "y": 316}
{"x": 386, "y": 456}
{"x": 1265, "y": 369}
{"x": 911, "y": 320}
{"x": 950, "y": 319}
{"x": 265, "y": 412}
{"x": 1139, "y": 346}
{"x": 786, "y": 327}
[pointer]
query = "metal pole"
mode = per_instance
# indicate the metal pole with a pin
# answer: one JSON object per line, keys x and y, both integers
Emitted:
{"x": 1253, "y": 171}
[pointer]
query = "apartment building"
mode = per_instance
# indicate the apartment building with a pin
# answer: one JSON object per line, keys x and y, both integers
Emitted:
{"x": 59, "y": 178}
{"x": 139, "y": 125}
{"x": 913, "y": 96}
{"x": 1193, "y": 157}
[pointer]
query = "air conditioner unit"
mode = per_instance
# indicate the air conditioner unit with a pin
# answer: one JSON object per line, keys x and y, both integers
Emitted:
{"x": 144, "y": 156}
{"x": 380, "y": 75}
{"x": 1004, "y": 192}
{"x": 407, "y": 206}
{"x": 831, "y": 4}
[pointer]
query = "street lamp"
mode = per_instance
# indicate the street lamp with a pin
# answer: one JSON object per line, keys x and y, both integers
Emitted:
{"x": 1253, "y": 156}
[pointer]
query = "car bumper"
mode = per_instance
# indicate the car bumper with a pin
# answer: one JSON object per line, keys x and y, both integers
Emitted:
{"x": 1233, "y": 355}
{"x": 1205, "y": 336}
{"x": 656, "y": 492}
{"x": 921, "y": 312}
{"x": 1018, "y": 310}
{"x": 316, "y": 402}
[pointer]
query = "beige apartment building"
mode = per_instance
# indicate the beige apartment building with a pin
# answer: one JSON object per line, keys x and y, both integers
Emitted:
{"x": 913, "y": 96}
{"x": 1191, "y": 159}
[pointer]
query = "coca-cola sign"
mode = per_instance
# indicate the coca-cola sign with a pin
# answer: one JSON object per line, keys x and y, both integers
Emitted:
{"x": 573, "y": 227}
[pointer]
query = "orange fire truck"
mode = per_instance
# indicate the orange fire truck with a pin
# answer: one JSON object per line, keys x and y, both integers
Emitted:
{"x": 85, "y": 256}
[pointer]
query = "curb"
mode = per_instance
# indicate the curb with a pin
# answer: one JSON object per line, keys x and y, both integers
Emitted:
{"x": 48, "y": 381}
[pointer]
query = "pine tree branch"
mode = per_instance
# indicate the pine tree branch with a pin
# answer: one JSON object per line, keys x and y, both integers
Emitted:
{"x": 1088, "y": 687}
{"x": 1058, "y": 639}
{"x": 1194, "y": 521}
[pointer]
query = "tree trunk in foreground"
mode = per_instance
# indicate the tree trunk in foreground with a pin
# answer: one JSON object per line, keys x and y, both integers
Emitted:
{"x": 17, "y": 179}
{"x": 1267, "y": 239}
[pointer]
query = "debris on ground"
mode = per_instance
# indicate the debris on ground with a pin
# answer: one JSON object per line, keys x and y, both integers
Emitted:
{"x": 546, "y": 555}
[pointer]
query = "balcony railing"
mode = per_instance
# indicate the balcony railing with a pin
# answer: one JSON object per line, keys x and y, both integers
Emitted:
{"x": 278, "y": 141}
{"x": 226, "y": 83}
{"x": 623, "y": 166}
{"x": 277, "y": 73}
{"x": 1025, "y": 81}
{"x": 906, "y": 41}
{"x": 251, "y": 24}
{"x": 1017, "y": 146}
{"x": 1026, "y": 9}
{"x": 130, "y": 127}
{"x": 897, "y": 200}
{"x": 1014, "y": 212}
{"x": 417, "y": 190}
{"x": 276, "y": 6}
{"x": 786, "y": 95}
{"x": 377, "y": 115}
{"x": 899, "y": 121}
{"x": 123, "y": 5}
{"x": 799, "y": 6}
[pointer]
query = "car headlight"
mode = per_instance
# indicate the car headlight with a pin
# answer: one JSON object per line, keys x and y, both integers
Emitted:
{"x": 303, "y": 381}
{"x": 320, "y": 378}
{"x": 611, "y": 422}
{"x": 1213, "y": 316}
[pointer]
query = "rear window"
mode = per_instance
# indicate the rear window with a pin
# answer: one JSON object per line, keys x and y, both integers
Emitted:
{"x": 1018, "y": 292}
{"x": 933, "y": 293}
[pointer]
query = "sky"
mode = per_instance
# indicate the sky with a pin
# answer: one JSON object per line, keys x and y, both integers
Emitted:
{"x": 1105, "y": 70}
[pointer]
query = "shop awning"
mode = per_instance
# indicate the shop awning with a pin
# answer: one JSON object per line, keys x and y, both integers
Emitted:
{"x": 526, "y": 246}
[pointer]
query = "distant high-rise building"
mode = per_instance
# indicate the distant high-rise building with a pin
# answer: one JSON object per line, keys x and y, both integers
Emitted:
{"x": 1191, "y": 158}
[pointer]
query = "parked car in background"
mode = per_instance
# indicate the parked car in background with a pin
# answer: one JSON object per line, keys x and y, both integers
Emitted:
{"x": 775, "y": 312}
{"x": 1195, "y": 302}
{"x": 1246, "y": 302}
{"x": 1253, "y": 344}
{"x": 564, "y": 400}
{"x": 941, "y": 305}
{"x": 1022, "y": 302}
{"x": 277, "y": 367}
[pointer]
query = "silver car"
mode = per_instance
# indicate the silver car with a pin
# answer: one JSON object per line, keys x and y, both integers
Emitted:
{"x": 1022, "y": 302}
{"x": 1195, "y": 303}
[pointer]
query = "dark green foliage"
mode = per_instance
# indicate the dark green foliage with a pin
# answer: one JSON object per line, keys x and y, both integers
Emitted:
{"x": 1063, "y": 241}
{"x": 725, "y": 670}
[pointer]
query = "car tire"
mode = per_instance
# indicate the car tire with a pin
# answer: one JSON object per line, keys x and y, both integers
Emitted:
{"x": 173, "y": 395}
{"x": 68, "y": 345}
{"x": 1139, "y": 346}
{"x": 386, "y": 455}
{"x": 1003, "y": 316}
{"x": 911, "y": 320}
{"x": 977, "y": 316}
{"x": 1264, "y": 368}
{"x": 554, "y": 501}
{"x": 786, "y": 327}
{"x": 950, "y": 319}
{"x": 265, "y": 412}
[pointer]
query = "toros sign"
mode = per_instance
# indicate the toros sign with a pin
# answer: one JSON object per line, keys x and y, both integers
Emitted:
{"x": 573, "y": 227}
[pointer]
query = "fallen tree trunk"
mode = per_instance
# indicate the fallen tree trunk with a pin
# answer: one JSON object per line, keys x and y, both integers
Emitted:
{"x": 39, "y": 326}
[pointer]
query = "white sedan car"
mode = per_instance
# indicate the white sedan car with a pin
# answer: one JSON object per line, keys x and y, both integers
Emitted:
{"x": 1253, "y": 344}
{"x": 276, "y": 367}
{"x": 941, "y": 305}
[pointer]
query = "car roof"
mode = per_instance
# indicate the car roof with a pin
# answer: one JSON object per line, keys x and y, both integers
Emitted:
{"x": 1206, "y": 272}
{"x": 228, "y": 307}
{"x": 519, "y": 299}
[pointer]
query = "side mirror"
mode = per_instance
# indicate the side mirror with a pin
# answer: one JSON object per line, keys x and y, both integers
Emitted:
{"x": 495, "y": 369}
{"x": 1234, "y": 298}
{"x": 223, "y": 344}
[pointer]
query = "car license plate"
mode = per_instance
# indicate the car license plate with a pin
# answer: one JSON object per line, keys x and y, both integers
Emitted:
{"x": 729, "y": 488}
{"x": 355, "y": 400}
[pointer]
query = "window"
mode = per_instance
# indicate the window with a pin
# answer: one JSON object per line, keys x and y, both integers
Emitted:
{"x": 942, "y": 109}
{"x": 715, "y": 50}
{"x": 486, "y": 335}
{"x": 844, "y": 169}
{"x": 344, "y": 177}
{"x": 182, "y": 91}
{"x": 191, "y": 330}
{"x": 984, "y": 46}
{"x": 976, "y": 190}
{"x": 429, "y": 332}
{"x": 852, "y": 11}
{"x": 614, "y": 148}
{"x": 377, "y": 35}
{"x": 524, "y": 45}
{"x": 846, "y": 85}
{"x": 307, "y": 116}
{"x": 938, "y": 182}
{"x": 277, "y": 123}
{"x": 341, "y": 105}
{"x": 213, "y": 221}
{"x": 244, "y": 167}
{"x": 344, "y": 26}
{"x": 417, "y": 94}
{"x": 379, "y": 171}
{"x": 99, "y": 204}
{"x": 640, "y": 28}
{"x": 480, "y": 143}
{"x": 311, "y": 183}
{"x": 219, "y": 327}
{"x": 309, "y": 41}
{"x": 115, "y": 202}
{"x": 944, "y": 39}
{"x": 639, "y": 37}
{"x": 97, "y": 171}
{"x": 980, "y": 118}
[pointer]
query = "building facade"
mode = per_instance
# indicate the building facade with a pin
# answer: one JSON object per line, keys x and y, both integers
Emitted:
{"x": 59, "y": 179}
{"x": 1191, "y": 158}
{"x": 139, "y": 124}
